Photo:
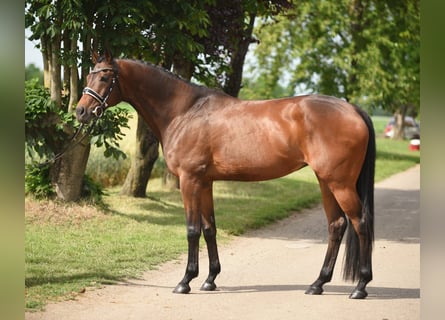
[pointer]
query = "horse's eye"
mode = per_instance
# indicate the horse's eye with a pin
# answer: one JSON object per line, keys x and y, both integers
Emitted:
{"x": 104, "y": 79}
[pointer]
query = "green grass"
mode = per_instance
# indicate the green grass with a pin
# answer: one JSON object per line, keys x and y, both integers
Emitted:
{"x": 71, "y": 247}
{"x": 64, "y": 256}
{"x": 380, "y": 123}
{"x": 394, "y": 156}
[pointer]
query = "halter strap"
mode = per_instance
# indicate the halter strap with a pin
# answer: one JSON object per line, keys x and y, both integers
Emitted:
{"x": 95, "y": 95}
{"x": 102, "y": 69}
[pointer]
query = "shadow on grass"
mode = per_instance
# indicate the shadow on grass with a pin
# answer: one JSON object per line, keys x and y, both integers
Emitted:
{"x": 238, "y": 205}
{"x": 159, "y": 208}
{"x": 165, "y": 216}
{"x": 101, "y": 277}
{"x": 239, "y": 208}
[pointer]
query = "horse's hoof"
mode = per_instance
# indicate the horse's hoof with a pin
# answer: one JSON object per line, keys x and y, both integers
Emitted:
{"x": 314, "y": 290}
{"x": 182, "y": 288}
{"x": 208, "y": 286}
{"x": 358, "y": 294}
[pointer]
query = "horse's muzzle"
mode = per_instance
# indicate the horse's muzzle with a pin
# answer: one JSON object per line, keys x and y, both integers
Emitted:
{"x": 82, "y": 114}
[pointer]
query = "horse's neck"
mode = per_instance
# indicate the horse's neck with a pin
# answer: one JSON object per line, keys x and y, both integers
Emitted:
{"x": 157, "y": 97}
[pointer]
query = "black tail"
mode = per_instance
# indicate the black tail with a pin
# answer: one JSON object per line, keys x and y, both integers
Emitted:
{"x": 365, "y": 189}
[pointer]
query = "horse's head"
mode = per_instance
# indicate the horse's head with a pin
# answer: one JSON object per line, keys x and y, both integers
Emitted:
{"x": 101, "y": 91}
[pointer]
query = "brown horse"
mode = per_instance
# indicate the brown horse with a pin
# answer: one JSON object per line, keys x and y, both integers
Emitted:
{"x": 207, "y": 135}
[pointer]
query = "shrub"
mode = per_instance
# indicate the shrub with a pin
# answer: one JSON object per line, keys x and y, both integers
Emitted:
{"x": 91, "y": 190}
{"x": 47, "y": 130}
{"x": 38, "y": 182}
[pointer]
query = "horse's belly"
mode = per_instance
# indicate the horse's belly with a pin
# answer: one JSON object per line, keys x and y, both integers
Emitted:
{"x": 255, "y": 165}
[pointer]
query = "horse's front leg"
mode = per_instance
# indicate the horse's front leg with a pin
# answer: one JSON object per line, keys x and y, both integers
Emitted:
{"x": 209, "y": 230}
{"x": 192, "y": 270}
{"x": 198, "y": 203}
{"x": 191, "y": 194}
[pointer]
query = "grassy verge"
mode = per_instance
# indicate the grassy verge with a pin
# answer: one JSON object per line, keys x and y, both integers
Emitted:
{"x": 72, "y": 247}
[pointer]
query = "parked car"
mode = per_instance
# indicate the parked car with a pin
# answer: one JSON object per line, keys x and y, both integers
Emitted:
{"x": 411, "y": 130}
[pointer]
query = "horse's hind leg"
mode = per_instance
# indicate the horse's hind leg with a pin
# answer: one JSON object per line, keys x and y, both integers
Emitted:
{"x": 336, "y": 225}
{"x": 358, "y": 262}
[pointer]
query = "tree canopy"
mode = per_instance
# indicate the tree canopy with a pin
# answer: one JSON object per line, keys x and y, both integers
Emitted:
{"x": 204, "y": 38}
{"x": 365, "y": 51}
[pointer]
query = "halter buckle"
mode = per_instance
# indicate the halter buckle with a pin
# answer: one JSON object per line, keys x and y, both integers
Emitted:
{"x": 98, "y": 111}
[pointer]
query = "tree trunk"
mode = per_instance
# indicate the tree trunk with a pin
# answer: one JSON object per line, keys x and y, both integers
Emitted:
{"x": 55, "y": 72}
{"x": 183, "y": 67}
{"x": 233, "y": 85}
{"x": 67, "y": 172}
{"x": 46, "y": 55}
{"x": 86, "y": 56}
{"x": 145, "y": 156}
{"x": 74, "y": 80}
{"x": 66, "y": 67}
{"x": 399, "y": 123}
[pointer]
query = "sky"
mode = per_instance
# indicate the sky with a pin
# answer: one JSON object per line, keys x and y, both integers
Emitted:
{"x": 32, "y": 54}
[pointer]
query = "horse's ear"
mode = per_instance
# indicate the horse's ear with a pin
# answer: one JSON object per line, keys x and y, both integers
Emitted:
{"x": 95, "y": 57}
{"x": 108, "y": 56}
